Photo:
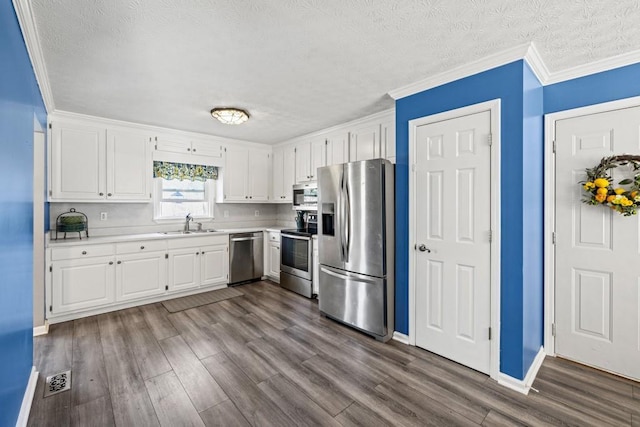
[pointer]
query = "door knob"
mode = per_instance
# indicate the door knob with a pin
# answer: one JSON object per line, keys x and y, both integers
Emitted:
{"x": 423, "y": 248}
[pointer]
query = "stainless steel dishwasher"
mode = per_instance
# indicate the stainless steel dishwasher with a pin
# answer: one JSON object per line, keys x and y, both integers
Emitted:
{"x": 246, "y": 252}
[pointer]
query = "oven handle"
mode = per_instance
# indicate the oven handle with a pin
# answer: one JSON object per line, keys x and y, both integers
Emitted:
{"x": 291, "y": 236}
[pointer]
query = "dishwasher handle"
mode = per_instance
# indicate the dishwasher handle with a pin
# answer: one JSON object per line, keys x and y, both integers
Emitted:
{"x": 242, "y": 239}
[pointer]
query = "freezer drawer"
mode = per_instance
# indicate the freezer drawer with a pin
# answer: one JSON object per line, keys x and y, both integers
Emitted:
{"x": 355, "y": 299}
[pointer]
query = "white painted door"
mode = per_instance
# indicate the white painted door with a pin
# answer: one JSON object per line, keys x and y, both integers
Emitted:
{"x": 289, "y": 173}
{"x": 597, "y": 284}
{"x": 129, "y": 172}
{"x": 77, "y": 162}
{"x": 184, "y": 269}
{"x": 388, "y": 140}
{"x": 303, "y": 162}
{"x": 201, "y": 147}
{"x": 277, "y": 193}
{"x": 274, "y": 259}
{"x": 452, "y": 211}
{"x": 172, "y": 144}
{"x": 338, "y": 148}
{"x": 259, "y": 176}
{"x": 214, "y": 265}
{"x": 140, "y": 275}
{"x": 82, "y": 284}
{"x": 236, "y": 175}
{"x": 318, "y": 157}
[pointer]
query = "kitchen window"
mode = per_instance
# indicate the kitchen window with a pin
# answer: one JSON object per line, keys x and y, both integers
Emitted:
{"x": 175, "y": 198}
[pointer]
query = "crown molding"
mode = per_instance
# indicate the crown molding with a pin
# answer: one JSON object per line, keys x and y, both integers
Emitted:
{"x": 475, "y": 67}
{"x": 537, "y": 65}
{"x": 32, "y": 41}
{"x": 595, "y": 67}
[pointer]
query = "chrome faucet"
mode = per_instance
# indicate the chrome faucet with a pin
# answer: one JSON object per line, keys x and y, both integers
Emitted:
{"x": 186, "y": 223}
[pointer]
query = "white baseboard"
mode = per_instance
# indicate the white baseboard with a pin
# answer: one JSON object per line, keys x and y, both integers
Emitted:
{"x": 400, "y": 337}
{"x": 25, "y": 409}
{"x": 523, "y": 386}
{"x": 41, "y": 330}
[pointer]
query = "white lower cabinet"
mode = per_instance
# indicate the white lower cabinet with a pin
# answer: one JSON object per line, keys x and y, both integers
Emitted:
{"x": 79, "y": 284}
{"x": 89, "y": 279}
{"x": 140, "y": 275}
{"x": 272, "y": 256}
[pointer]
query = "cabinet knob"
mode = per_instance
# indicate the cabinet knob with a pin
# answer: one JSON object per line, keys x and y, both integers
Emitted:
{"x": 194, "y": 150}
{"x": 246, "y": 197}
{"x": 84, "y": 252}
{"x": 251, "y": 197}
{"x": 109, "y": 194}
{"x": 119, "y": 262}
{"x": 110, "y": 262}
{"x": 141, "y": 247}
{"x": 188, "y": 149}
{"x": 197, "y": 253}
{"x": 100, "y": 194}
{"x": 202, "y": 252}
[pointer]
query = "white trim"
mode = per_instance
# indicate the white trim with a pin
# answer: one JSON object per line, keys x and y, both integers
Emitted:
{"x": 539, "y": 68}
{"x": 475, "y": 67}
{"x": 494, "y": 107}
{"x": 400, "y": 337}
{"x": 25, "y": 408}
{"x": 41, "y": 330}
{"x": 32, "y": 42}
{"x": 595, "y": 67}
{"x": 549, "y": 201}
{"x": 523, "y": 386}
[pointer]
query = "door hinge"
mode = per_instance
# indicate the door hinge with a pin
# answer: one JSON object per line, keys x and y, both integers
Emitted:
{"x": 51, "y": 269}
{"x": 50, "y": 125}
{"x": 50, "y": 308}
{"x": 490, "y": 236}
{"x": 413, "y": 167}
{"x": 150, "y": 195}
{"x": 51, "y": 192}
{"x": 553, "y": 329}
{"x": 225, "y": 149}
{"x": 554, "y": 146}
{"x": 295, "y": 150}
{"x": 489, "y": 333}
{"x": 490, "y": 139}
{"x": 166, "y": 288}
{"x": 553, "y": 238}
{"x": 166, "y": 256}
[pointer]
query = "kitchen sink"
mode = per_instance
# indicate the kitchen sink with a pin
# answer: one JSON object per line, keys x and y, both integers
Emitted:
{"x": 172, "y": 233}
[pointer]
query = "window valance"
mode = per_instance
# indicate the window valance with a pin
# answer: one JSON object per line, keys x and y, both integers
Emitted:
{"x": 184, "y": 171}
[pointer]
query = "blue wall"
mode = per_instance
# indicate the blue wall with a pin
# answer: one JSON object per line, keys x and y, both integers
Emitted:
{"x": 19, "y": 100}
{"x": 521, "y": 111}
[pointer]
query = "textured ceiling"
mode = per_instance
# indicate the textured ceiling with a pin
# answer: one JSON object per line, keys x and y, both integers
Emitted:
{"x": 296, "y": 66}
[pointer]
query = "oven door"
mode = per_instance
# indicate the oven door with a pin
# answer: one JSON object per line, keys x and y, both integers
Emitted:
{"x": 295, "y": 255}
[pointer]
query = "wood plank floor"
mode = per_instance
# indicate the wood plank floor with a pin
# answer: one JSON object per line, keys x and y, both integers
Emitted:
{"x": 268, "y": 358}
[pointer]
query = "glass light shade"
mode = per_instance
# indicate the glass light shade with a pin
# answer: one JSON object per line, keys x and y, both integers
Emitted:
{"x": 230, "y": 116}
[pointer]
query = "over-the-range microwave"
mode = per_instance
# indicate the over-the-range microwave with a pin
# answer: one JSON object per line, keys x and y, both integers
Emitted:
{"x": 305, "y": 197}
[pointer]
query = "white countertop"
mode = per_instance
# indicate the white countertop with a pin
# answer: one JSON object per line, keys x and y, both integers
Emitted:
{"x": 73, "y": 241}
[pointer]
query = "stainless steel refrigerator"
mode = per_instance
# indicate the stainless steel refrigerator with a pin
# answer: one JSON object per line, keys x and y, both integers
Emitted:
{"x": 356, "y": 244}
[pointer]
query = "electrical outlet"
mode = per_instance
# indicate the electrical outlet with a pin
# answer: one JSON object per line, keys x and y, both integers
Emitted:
{"x": 226, "y": 214}
{"x": 257, "y": 213}
{"x": 103, "y": 216}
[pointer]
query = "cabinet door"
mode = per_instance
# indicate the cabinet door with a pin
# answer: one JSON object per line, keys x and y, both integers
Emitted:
{"x": 140, "y": 275}
{"x": 206, "y": 148}
{"x": 303, "y": 162}
{"x": 82, "y": 284}
{"x": 388, "y": 140}
{"x": 277, "y": 187}
{"x": 364, "y": 143}
{"x": 214, "y": 265}
{"x": 315, "y": 282}
{"x": 129, "y": 171}
{"x": 236, "y": 174}
{"x": 172, "y": 144}
{"x": 318, "y": 157}
{"x": 338, "y": 148}
{"x": 77, "y": 162}
{"x": 289, "y": 173}
{"x": 184, "y": 269}
{"x": 274, "y": 260}
{"x": 259, "y": 176}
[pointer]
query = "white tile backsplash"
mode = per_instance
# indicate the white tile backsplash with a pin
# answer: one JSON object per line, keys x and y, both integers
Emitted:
{"x": 134, "y": 218}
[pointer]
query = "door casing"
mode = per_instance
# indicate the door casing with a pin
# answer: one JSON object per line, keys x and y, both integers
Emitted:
{"x": 550, "y": 210}
{"x": 494, "y": 107}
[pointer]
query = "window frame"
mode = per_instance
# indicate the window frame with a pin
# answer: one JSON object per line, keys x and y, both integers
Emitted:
{"x": 209, "y": 195}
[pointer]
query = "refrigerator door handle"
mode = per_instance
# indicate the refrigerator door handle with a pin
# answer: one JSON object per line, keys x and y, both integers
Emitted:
{"x": 348, "y": 221}
{"x": 341, "y": 218}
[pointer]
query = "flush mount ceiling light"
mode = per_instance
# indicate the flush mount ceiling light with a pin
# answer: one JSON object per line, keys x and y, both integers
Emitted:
{"x": 230, "y": 116}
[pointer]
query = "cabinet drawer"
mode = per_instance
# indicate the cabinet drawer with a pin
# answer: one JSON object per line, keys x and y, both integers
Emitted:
{"x": 141, "y": 247}
{"x": 274, "y": 237}
{"x": 197, "y": 241}
{"x": 81, "y": 251}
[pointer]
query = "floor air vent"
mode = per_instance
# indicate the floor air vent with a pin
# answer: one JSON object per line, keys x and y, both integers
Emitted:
{"x": 57, "y": 383}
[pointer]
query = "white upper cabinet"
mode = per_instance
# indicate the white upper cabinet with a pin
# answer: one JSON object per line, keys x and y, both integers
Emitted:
{"x": 247, "y": 175}
{"x": 200, "y": 147}
{"x": 129, "y": 171}
{"x": 364, "y": 143}
{"x": 91, "y": 163}
{"x": 172, "y": 144}
{"x": 338, "y": 148}
{"x": 184, "y": 149}
{"x": 309, "y": 157}
{"x": 283, "y": 173}
{"x": 388, "y": 139}
{"x": 78, "y": 162}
